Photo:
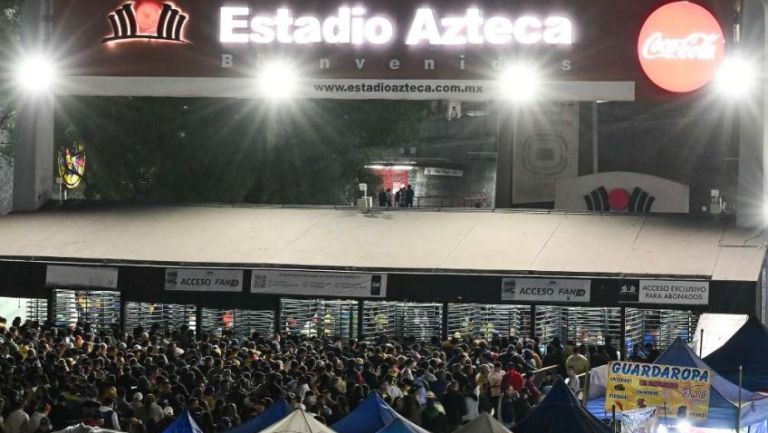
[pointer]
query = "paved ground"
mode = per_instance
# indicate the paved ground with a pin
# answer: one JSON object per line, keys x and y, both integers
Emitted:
{"x": 414, "y": 239}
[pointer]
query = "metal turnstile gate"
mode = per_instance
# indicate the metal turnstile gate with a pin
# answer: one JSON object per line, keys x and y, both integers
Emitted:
{"x": 659, "y": 327}
{"x": 99, "y": 308}
{"x": 489, "y": 320}
{"x": 319, "y": 317}
{"x": 37, "y": 310}
{"x": 551, "y": 322}
{"x": 591, "y": 326}
{"x": 238, "y": 323}
{"x": 169, "y": 317}
{"x": 402, "y": 319}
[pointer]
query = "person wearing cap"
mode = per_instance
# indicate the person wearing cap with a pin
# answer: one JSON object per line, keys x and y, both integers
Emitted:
{"x": 433, "y": 414}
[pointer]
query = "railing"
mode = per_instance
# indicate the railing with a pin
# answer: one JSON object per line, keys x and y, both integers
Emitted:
{"x": 445, "y": 201}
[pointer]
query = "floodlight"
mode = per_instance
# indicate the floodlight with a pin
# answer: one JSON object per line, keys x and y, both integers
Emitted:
{"x": 736, "y": 78}
{"x": 519, "y": 82}
{"x": 277, "y": 79}
{"x": 35, "y": 73}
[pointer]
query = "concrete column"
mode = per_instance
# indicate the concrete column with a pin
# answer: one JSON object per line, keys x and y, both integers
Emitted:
{"x": 504, "y": 143}
{"x": 33, "y": 153}
{"x": 753, "y": 135}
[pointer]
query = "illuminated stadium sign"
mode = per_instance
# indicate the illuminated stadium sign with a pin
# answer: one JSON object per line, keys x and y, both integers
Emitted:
{"x": 354, "y": 26}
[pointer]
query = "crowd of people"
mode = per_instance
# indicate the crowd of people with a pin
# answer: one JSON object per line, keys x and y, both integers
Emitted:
{"x": 139, "y": 381}
{"x": 403, "y": 197}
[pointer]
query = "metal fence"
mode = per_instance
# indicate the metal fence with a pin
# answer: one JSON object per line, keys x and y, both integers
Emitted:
{"x": 99, "y": 308}
{"x": 489, "y": 320}
{"x": 339, "y": 318}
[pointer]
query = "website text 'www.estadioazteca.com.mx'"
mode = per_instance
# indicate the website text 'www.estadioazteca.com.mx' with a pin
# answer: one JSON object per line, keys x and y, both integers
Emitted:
{"x": 378, "y": 87}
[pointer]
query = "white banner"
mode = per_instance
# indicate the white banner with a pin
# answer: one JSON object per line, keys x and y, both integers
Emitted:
{"x": 305, "y": 283}
{"x": 204, "y": 280}
{"x": 417, "y": 89}
{"x": 81, "y": 276}
{"x": 435, "y": 171}
{"x": 545, "y": 290}
{"x": 674, "y": 292}
{"x": 545, "y": 150}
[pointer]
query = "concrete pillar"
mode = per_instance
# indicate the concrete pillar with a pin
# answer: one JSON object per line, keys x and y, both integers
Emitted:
{"x": 504, "y": 143}
{"x": 751, "y": 115}
{"x": 33, "y": 153}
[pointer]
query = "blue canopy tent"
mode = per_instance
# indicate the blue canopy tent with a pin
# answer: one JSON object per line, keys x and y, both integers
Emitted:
{"x": 747, "y": 347}
{"x": 398, "y": 426}
{"x": 274, "y": 413}
{"x": 183, "y": 424}
{"x": 724, "y": 395}
{"x": 370, "y": 416}
{"x": 560, "y": 412}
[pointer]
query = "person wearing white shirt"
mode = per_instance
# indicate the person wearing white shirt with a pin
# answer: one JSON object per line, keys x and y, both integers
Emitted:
{"x": 472, "y": 399}
{"x": 17, "y": 420}
{"x": 573, "y": 381}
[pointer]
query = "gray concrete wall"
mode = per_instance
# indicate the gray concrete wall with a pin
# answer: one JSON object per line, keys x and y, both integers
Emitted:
{"x": 478, "y": 180}
{"x": 6, "y": 185}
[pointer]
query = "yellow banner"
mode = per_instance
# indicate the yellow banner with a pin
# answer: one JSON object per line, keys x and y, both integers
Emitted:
{"x": 676, "y": 392}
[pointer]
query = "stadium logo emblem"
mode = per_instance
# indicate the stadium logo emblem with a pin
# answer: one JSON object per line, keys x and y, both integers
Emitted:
{"x": 619, "y": 200}
{"x": 147, "y": 20}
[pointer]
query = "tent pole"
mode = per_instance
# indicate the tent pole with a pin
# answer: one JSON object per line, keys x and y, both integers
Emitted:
{"x": 613, "y": 418}
{"x": 738, "y": 408}
{"x": 701, "y": 344}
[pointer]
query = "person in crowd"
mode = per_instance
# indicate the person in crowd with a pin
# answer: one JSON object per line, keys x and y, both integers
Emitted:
{"x": 433, "y": 415}
{"x": 409, "y": 195}
{"x": 109, "y": 415}
{"x": 140, "y": 380}
{"x": 573, "y": 380}
{"x": 43, "y": 426}
{"x": 472, "y": 402}
{"x": 495, "y": 378}
{"x": 507, "y": 407}
{"x": 512, "y": 378}
{"x": 382, "y": 198}
{"x": 547, "y": 382}
{"x": 483, "y": 381}
{"x": 16, "y": 421}
{"x": 455, "y": 407}
{"x": 610, "y": 350}
{"x": 401, "y": 202}
{"x": 579, "y": 362}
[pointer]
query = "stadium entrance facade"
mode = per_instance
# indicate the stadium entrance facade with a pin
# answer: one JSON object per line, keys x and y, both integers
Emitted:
{"x": 577, "y": 276}
{"x": 567, "y": 59}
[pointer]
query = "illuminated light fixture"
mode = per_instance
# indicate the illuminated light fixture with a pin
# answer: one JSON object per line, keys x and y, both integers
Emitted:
{"x": 736, "y": 78}
{"x": 277, "y": 80}
{"x": 519, "y": 82}
{"x": 242, "y": 25}
{"x": 35, "y": 74}
{"x": 683, "y": 426}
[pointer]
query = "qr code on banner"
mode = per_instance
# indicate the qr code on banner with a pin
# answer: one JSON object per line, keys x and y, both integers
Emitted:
{"x": 259, "y": 281}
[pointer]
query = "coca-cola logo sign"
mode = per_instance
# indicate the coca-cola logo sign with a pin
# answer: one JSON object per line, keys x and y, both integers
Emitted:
{"x": 681, "y": 46}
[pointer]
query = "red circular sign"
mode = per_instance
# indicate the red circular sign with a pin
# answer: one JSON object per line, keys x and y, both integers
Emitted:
{"x": 618, "y": 199}
{"x": 681, "y": 46}
{"x": 148, "y": 15}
